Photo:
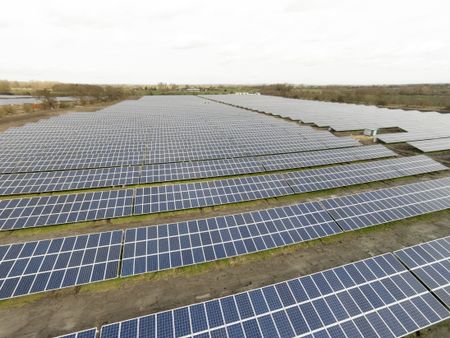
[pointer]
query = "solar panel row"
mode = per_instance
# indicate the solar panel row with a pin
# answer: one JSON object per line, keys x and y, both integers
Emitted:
{"x": 48, "y": 181}
{"x": 432, "y": 145}
{"x": 375, "y": 297}
{"x": 50, "y": 210}
{"x": 172, "y": 245}
{"x": 386, "y": 205}
{"x": 347, "y": 117}
{"x": 60, "y": 209}
{"x": 27, "y": 268}
{"x": 89, "y": 333}
{"x": 430, "y": 263}
{"x": 324, "y": 157}
{"x": 169, "y": 246}
{"x": 193, "y": 195}
{"x": 196, "y": 195}
{"x": 155, "y": 130}
{"x": 50, "y": 264}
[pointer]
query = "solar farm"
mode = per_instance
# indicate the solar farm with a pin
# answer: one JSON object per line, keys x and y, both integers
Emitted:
{"x": 226, "y": 216}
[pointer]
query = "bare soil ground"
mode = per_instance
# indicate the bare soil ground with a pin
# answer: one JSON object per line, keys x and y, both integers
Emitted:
{"x": 19, "y": 119}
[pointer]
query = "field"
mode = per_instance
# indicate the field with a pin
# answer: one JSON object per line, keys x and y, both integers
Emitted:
{"x": 78, "y": 307}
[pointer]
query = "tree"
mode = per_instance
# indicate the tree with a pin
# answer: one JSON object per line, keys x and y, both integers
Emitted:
{"x": 113, "y": 93}
{"x": 5, "y": 87}
{"x": 48, "y": 100}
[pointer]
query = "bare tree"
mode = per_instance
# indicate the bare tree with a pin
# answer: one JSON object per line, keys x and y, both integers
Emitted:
{"x": 48, "y": 100}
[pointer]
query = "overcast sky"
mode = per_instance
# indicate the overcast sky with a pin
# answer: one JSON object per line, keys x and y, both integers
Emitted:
{"x": 194, "y": 41}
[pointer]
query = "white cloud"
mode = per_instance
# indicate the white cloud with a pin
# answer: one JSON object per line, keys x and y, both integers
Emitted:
{"x": 245, "y": 41}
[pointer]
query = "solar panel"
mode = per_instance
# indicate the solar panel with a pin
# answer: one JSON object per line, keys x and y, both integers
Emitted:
{"x": 154, "y": 130}
{"x": 430, "y": 263}
{"x": 32, "y": 267}
{"x": 48, "y": 181}
{"x": 351, "y": 174}
{"x": 168, "y": 246}
{"x": 201, "y": 169}
{"x": 386, "y": 205}
{"x": 347, "y": 117}
{"x": 369, "y": 298}
{"x": 426, "y": 146}
{"x": 323, "y": 157}
{"x": 202, "y": 194}
{"x": 90, "y": 333}
{"x": 60, "y": 209}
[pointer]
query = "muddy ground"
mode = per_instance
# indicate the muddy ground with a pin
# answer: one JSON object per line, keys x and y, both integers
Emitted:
{"x": 63, "y": 311}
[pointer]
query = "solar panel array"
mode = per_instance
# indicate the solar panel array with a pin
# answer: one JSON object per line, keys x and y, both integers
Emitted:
{"x": 346, "y": 117}
{"x": 162, "y": 139}
{"x": 324, "y": 157}
{"x": 89, "y": 333}
{"x": 169, "y": 246}
{"x": 32, "y": 267}
{"x": 172, "y": 245}
{"x": 432, "y": 145}
{"x": 202, "y": 194}
{"x": 153, "y": 130}
{"x": 60, "y": 209}
{"x": 48, "y": 181}
{"x": 339, "y": 176}
{"x": 430, "y": 263}
{"x": 375, "y": 297}
{"x": 386, "y": 205}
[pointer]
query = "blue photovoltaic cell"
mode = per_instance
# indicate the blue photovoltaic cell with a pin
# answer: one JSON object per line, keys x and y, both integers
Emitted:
{"x": 51, "y": 264}
{"x": 324, "y": 157}
{"x": 60, "y": 209}
{"x": 194, "y": 195}
{"x": 47, "y": 181}
{"x": 372, "y": 297}
{"x": 351, "y": 174}
{"x": 168, "y": 246}
{"x": 90, "y": 333}
{"x": 202, "y": 194}
{"x": 237, "y": 166}
{"x": 152, "y": 130}
{"x": 200, "y": 169}
{"x": 430, "y": 262}
{"x": 386, "y": 205}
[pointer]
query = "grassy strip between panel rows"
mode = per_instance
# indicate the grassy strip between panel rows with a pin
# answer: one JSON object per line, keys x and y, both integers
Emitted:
{"x": 211, "y": 211}
{"x": 116, "y": 283}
